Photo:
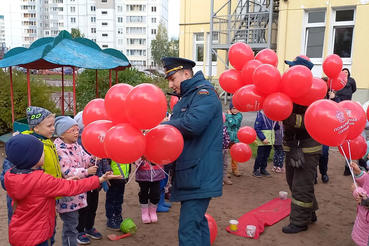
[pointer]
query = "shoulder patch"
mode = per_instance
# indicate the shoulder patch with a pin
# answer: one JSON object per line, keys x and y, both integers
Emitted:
{"x": 203, "y": 92}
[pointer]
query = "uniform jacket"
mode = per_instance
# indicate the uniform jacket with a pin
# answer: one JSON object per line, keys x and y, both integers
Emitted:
{"x": 33, "y": 221}
{"x": 262, "y": 125}
{"x": 51, "y": 165}
{"x": 360, "y": 230}
{"x": 198, "y": 171}
{"x": 233, "y": 124}
{"x": 346, "y": 92}
{"x": 149, "y": 172}
{"x": 296, "y": 133}
{"x": 73, "y": 161}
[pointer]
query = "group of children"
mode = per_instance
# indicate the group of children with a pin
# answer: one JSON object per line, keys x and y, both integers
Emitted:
{"x": 32, "y": 207}
{"x": 269, "y": 133}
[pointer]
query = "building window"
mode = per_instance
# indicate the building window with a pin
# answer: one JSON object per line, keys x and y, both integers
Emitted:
{"x": 47, "y": 33}
{"x": 104, "y": 24}
{"x": 136, "y": 30}
{"x": 120, "y": 41}
{"x": 72, "y": 9}
{"x": 137, "y": 19}
{"x": 120, "y": 8}
{"x": 93, "y": 30}
{"x": 153, "y": 20}
{"x": 214, "y": 40}
{"x": 93, "y": 19}
{"x": 120, "y": 30}
{"x": 104, "y": 34}
{"x": 120, "y": 19}
{"x": 104, "y": 12}
{"x": 73, "y": 20}
{"x": 314, "y": 34}
{"x": 93, "y": 8}
{"x": 104, "y": 1}
{"x": 343, "y": 31}
{"x": 136, "y": 41}
{"x": 153, "y": 31}
{"x": 199, "y": 47}
{"x": 153, "y": 9}
{"x": 94, "y": 39}
{"x": 105, "y": 46}
{"x": 136, "y": 8}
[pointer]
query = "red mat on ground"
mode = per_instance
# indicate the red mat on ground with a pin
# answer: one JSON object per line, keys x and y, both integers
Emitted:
{"x": 265, "y": 215}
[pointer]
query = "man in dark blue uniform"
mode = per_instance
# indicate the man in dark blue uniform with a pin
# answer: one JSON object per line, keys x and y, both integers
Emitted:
{"x": 198, "y": 171}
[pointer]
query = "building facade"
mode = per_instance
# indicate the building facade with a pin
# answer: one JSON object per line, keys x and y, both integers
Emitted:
{"x": 126, "y": 25}
{"x": 311, "y": 27}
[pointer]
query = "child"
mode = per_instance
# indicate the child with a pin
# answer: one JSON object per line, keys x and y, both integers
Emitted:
{"x": 74, "y": 161}
{"x": 33, "y": 220}
{"x": 265, "y": 138}
{"x": 360, "y": 231}
{"x": 148, "y": 177}
{"x": 114, "y": 196}
{"x": 233, "y": 124}
{"x": 87, "y": 215}
{"x": 278, "y": 157}
{"x": 225, "y": 148}
{"x": 7, "y": 165}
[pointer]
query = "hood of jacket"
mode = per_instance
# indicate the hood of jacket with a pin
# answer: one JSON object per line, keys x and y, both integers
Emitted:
{"x": 19, "y": 186}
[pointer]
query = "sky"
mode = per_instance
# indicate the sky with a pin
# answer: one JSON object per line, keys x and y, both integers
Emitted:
{"x": 173, "y": 18}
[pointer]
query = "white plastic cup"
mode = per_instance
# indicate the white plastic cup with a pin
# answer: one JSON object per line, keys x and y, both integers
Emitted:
{"x": 250, "y": 230}
{"x": 283, "y": 195}
{"x": 233, "y": 225}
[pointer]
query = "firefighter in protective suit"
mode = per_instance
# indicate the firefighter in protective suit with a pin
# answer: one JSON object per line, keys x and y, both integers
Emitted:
{"x": 302, "y": 159}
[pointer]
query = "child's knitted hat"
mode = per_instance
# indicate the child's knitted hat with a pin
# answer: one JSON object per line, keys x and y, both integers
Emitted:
{"x": 63, "y": 123}
{"x": 35, "y": 115}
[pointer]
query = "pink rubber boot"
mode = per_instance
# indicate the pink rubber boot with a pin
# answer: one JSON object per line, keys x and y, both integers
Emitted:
{"x": 153, "y": 216}
{"x": 145, "y": 214}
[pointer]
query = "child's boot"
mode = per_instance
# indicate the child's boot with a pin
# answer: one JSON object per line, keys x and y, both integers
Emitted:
{"x": 161, "y": 207}
{"x": 145, "y": 214}
{"x": 165, "y": 204}
{"x": 152, "y": 211}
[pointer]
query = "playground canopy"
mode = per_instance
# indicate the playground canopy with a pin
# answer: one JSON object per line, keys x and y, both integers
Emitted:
{"x": 63, "y": 50}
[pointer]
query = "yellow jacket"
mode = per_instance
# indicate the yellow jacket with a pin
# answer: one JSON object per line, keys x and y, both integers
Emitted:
{"x": 51, "y": 165}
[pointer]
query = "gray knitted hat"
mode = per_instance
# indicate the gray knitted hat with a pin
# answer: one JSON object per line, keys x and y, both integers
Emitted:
{"x": 63, "y": 123}
{"x": 35, "y": 115}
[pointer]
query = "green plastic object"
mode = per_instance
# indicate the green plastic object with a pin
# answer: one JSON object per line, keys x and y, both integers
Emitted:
{"x": 128, "y": 226}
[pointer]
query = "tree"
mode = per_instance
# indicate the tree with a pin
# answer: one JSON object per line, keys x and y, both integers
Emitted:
{"x": 76, "y": 33}
{"x": 159, "y": 46}
{"x": 173, "y": 49}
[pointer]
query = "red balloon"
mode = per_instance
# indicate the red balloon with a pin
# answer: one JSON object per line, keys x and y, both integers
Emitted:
{"x": 93, "y": 137}
{"x": 250, "y": 98}
{"x": 277, "y": 106}
{"x": 248, "y": 70}
{"x": 241, "y": 152}
{"x": 317, "y": 91}
{"x": 94, "y": 110}
{"x": 267, "y": 79}
{"x": 115, "y": 102}
{"x": 246, "y": 135}
{"x": 332, "y": 66}
{"x": 164, "y": 144}
{"x": 224, "y": 116}
{"x": 173, "y": 101}
{"x": 297, "y": 81}
{"x": 230, "y": 80}
{"x": 357, "y": 148}
{"x": 356, "y": 116}
{"x": 236, "y": 103}
{"x": 338, "y": 83}
{"x": 124, "y": 143}
{"x": 267, "y": 56}
{"x": 239, "y": 54}
{"x": 327, "y": 122}
{"x": 213, "y": 228}
{"x": 146, "y": 106}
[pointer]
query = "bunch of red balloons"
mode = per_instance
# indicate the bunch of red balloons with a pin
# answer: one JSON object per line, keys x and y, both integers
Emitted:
{"x": 114, "y": 126}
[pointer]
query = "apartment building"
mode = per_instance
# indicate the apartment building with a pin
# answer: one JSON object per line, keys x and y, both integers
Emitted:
{"x": 126, "y": 25}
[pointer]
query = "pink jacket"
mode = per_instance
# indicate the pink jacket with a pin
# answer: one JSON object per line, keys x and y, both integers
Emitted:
{"x": 360, "y": 232}
{"x": 73, "y": 161}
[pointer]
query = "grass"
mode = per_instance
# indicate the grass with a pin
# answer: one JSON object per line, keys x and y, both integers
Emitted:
{"x": 254, "y": 149}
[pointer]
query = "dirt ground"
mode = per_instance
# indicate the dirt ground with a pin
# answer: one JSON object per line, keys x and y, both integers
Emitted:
{"x": 335, "y": 217}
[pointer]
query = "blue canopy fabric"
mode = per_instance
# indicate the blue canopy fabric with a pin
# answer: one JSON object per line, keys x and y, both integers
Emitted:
{"x": 63, "y": 50}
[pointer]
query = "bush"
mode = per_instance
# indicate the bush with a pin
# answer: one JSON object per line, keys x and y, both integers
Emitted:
{"x": 86, "y": 83}
{"x": 40, "y": 96}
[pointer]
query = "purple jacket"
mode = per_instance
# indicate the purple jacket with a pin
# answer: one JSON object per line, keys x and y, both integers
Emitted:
{"x": 149, "y": 172}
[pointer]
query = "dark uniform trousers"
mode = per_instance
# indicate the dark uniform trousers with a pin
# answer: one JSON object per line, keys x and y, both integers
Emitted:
{"x": 193, "y": 226}
{"x": 301, "y": 183}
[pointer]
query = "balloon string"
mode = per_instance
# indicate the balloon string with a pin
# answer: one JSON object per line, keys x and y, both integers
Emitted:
{"x": 133, "y": 174}
{"x": 351, "y": 171}
{"x": 163, "y": 170}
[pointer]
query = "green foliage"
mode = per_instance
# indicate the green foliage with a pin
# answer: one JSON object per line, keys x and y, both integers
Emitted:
{"x": 86, "y": 83}
{"x": 76, "y": 33}
{"x": 254, "y": 148}
{"x": 40, "y": 96}
{"x": 161, "y": 47}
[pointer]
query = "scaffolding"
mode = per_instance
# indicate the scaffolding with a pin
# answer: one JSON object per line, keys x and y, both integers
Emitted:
{"x": 253, "y": 22}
